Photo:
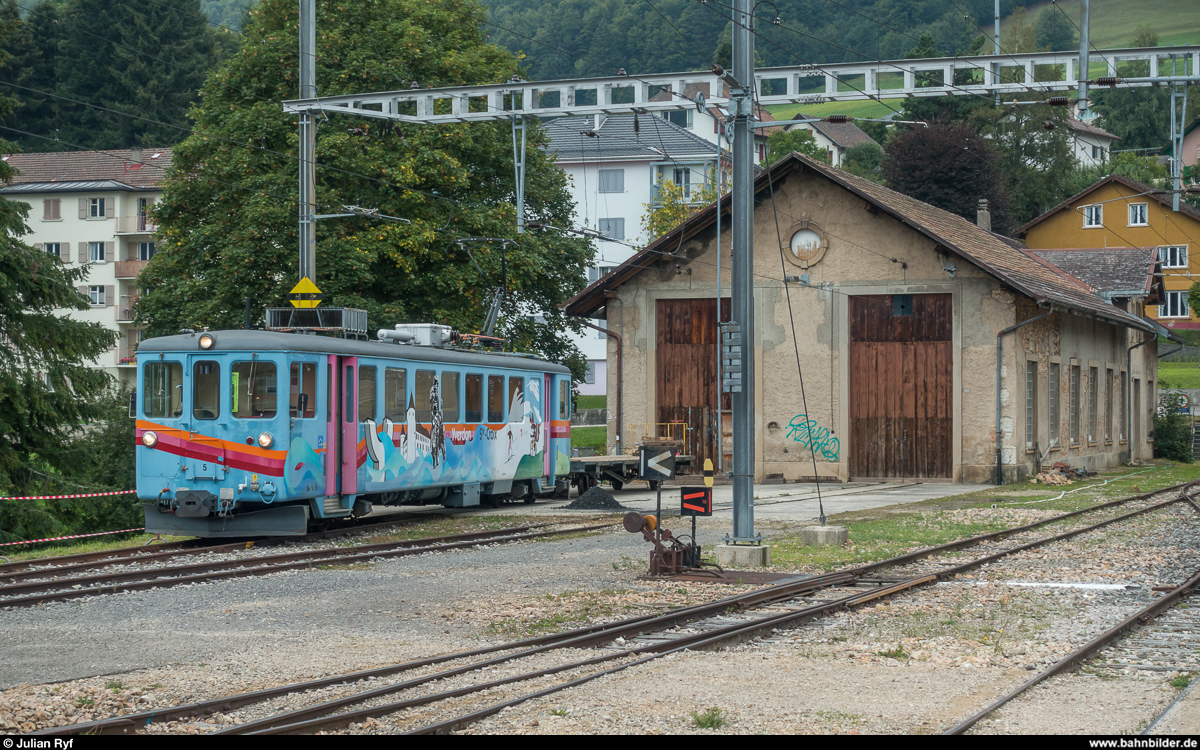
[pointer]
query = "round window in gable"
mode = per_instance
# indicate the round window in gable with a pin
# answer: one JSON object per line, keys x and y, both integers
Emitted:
{"x": 807, "y": 245}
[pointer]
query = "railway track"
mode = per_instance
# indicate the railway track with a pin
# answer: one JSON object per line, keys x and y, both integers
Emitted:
{"x": 611, "y": 647}
{"x": 34, "y": 587}
{"x": 12, "y": 571}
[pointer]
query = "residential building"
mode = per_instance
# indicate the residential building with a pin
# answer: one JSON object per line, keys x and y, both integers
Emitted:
{"x": 1091, "y": 145}
{"x": 835, "y": 137}
{"x": 930, "y": 347}
{"x": 91, "y": 209}
{"x": 1118, "y": 212}
{"x": 615, "y": 166}
{"x": 711, "y": 123}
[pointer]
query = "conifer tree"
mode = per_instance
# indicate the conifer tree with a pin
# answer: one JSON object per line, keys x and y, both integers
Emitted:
{"x": 149, "y": 59}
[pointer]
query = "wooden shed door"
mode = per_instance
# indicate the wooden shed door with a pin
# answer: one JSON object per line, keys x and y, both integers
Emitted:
{"x": 686, "y": 367}
{"x": 901, "y": 375}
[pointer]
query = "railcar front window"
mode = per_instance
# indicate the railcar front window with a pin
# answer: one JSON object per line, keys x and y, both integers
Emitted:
{"x": 304, "y": 390}
{"x": 474, "y": 397}
{"x": 206, "y": 390}
{"x": 163, "y": 386}
{"x": 253, "y": 390}
{"x": 423, "y": 394}
{"x": 450, "y": 396}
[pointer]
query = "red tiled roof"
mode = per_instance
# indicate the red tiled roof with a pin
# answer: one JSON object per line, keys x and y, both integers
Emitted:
{"x": 86, "y": 166}
{"x": 994, "y": 254}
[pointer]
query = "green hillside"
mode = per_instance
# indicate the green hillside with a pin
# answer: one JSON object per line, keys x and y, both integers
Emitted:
{"x": 1114, "y": 22}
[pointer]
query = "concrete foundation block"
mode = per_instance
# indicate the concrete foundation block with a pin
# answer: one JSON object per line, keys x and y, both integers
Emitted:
{"x": 824, "y": 536}
{"x": 743, "y": 556}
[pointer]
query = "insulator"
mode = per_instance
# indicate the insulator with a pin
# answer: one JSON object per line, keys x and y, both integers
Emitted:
{"x": 1106, "y": 81}
{"x": 838, "y": 118}
{"x": 621, "y": 72}
{"x": 637, "y": 126}
{"x": 717, "y": 70}
{"x": 1058, "y": 101}
{"x": 591, "y": 134}
{"x": 414, "y": 86}
{"x": 1048, "y": 125}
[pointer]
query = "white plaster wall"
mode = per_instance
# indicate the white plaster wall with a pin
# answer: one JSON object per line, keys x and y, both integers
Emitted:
{"x": 70, "y": 230}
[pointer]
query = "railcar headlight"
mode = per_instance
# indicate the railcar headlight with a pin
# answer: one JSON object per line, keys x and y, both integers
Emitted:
{"x": 206, "y": 341}
{"x": 149, "y": 439}
{"x": 265, "y": 440}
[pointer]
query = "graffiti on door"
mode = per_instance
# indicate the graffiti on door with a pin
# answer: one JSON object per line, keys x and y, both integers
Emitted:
{"x": 809, "y": 434}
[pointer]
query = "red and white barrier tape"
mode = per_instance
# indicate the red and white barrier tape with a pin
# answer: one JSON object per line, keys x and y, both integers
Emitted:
{"x": 65, "y": 497}
{"x": 73, "y": 536}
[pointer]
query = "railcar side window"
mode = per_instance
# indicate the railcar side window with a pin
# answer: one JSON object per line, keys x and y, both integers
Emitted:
{"x": 304, "y": 390}
{"x": 206, "y": 390}
{"x": 564, "y": 398}
{"x": 252, "y": 390}
{"x": 516, "y": 399}
{"x": 348, "y": 392}
{"x": 366, "y": 393}
{"x": 328, "y": 394}
{"x": 495, "y": 398}
{"x": 450, "y": 396}
{"x": 163, "y": 386}
{"x": 395, "y": 407}
{"x": 422, "y": 389}
{"x": 474, "y": 403}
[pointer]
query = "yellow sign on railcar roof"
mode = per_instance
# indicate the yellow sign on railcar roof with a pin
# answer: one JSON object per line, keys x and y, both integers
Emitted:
{"x": 305, "y": 294}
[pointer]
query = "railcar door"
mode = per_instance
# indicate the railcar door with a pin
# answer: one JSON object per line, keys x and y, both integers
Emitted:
{"x": 333, "y": 428}
{"x": 348, "y": 374}
{"x": 547, "y": 404}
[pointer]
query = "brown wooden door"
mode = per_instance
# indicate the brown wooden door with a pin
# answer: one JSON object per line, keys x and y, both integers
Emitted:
{"x": 901, "y": 374}
{"x": 686, "y": 367}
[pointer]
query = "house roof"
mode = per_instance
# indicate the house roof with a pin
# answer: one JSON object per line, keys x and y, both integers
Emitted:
{"x": 1162, "y": 196}
{"x": 1130, "y": 270}
{"x": 843, "y": 134}
{"x": 995, "y": 255}
{"x": 50, "y": 171}
{"x": 655, "y": 139}
{"x": 1082, "y": 127}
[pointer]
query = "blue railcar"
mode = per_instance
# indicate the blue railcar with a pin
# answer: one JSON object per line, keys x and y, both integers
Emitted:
{"x": 249, "y": 433}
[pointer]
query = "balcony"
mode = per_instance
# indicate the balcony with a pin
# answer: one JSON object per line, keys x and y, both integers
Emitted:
{"x": 129, "y": 269}
{"x": 135, "y": 225}
{"x": 125, "y": 308}
{"x": 127, "y": 356}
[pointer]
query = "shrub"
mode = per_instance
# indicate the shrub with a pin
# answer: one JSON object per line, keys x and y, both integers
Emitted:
{"x": 1173, "y": 437}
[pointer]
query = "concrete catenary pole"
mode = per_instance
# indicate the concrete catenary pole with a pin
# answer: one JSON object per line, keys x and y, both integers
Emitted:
{"x": 308, "y": 141}
{"x": 743, "y": 268}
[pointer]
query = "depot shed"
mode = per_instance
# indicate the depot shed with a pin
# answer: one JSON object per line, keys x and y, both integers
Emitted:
{"x": 893, "y": 311}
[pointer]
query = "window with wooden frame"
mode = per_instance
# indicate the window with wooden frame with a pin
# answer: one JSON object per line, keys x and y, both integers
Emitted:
{"x": 1052, "y": 390}
{"x": 1074, "y": 404}
{"x": 1108, "y": 405}
{"x": 1093, "y": 387}
{"x": 1030, "y": 404}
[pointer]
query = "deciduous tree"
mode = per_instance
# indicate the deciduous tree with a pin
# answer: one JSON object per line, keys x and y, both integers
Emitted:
{"x": 949, "y": 165}
{"x": 228, "y": 217}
